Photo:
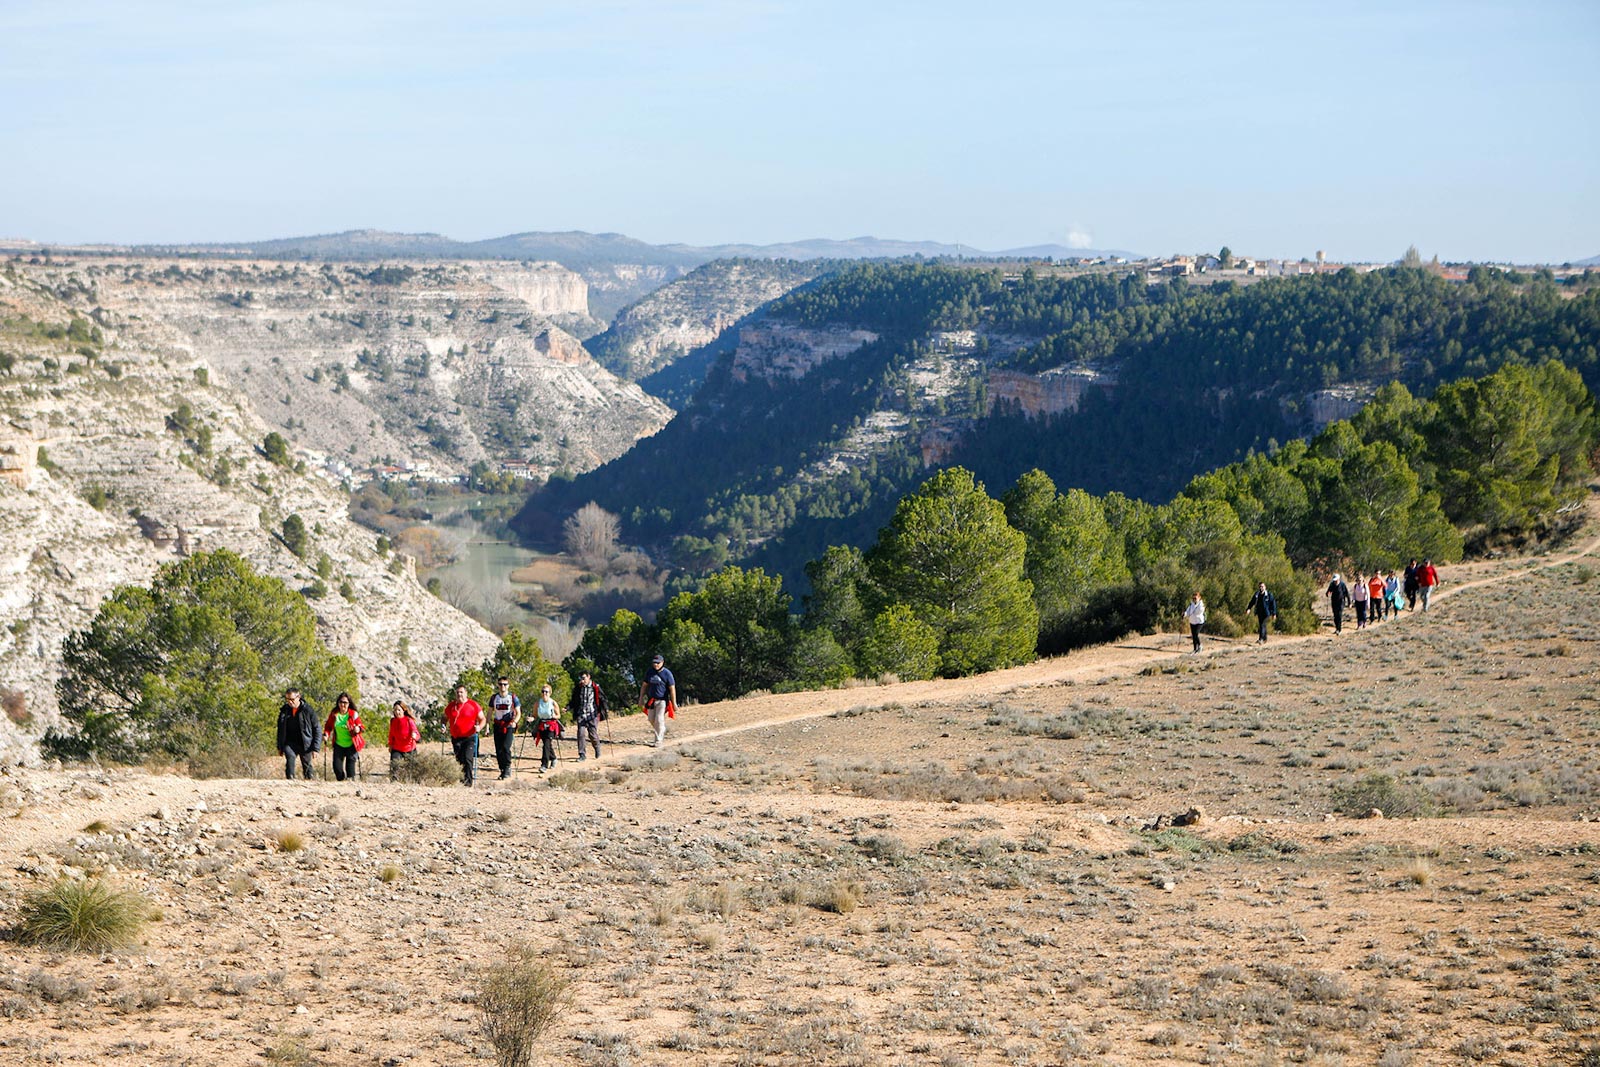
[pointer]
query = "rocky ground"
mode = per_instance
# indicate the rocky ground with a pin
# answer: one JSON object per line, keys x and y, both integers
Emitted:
{"x": 982, "y": 871}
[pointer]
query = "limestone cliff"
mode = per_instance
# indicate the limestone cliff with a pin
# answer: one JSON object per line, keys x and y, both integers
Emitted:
{"x": 440, "y": 363}
{"x": 145, "y": 453}
{"x": 690, "y": 312}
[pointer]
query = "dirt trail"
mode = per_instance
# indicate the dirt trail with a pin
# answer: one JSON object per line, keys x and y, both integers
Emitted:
{"x": 1102, "y": 661}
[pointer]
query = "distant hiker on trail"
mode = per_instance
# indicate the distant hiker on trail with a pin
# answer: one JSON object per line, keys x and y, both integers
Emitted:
{"x": 1195, "y": 613}
{"x": 1427, "y": 581}
{"x": 507, "y": 712}
{"x": 344, "y": 728}
{"x": 1360, "y": 594}
{"x": 1265, "y": 608}
{"x": 404, "y": 733}
{"x": 1338, "y": 595}
{"x": 588, "y": 709}
{"x": 549, "y": 729}
{"x": 298, "y": 735}
{"x": 659, "y": 695}
{"x": 464, "y": 718}
{"x": 1392, "y": 593}
{"x": 1411, "y": 585}
{"x": 1375, "y": 596}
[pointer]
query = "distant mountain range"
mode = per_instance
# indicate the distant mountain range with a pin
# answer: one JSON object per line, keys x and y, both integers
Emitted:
{"x": 1592, "y": 261}
{"x": 578, "y": 250}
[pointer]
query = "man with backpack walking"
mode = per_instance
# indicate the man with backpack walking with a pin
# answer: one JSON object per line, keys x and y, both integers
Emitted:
{"x": 588, "y": 708}
{"x": 1265, "y": 608}
{"x": 659, "y": 695}
{"x": 506, "y": 710}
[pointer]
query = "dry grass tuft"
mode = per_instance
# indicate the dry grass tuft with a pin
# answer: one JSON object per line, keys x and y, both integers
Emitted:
{"x": 83, "y": 915}
{"x": 289, "y": 841}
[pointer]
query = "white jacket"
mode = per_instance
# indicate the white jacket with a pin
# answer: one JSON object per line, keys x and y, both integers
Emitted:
{"x": 1195, "y": 612}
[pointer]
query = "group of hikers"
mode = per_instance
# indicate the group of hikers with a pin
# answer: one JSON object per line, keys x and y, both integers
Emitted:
{"x": 1380, "y": 595}
{"x": 301, "y": 733}
{"x": 1376, "y": 597}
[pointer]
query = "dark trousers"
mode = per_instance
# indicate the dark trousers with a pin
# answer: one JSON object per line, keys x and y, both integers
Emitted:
{"x": 397, "y": 760}
{"x": 1194, "y": 634}
{"x": 594, "y": 737}
{"x": 1338, "y": 619}
{"x": 344, "y": 762}
{"x": 466, "y": 750}
{"x": 502, "y": 749}
{"x": 1361, "y": 614}
{"x": 547, "y": 750}
{"x": 1261, "y": 628}
{"x": 289, "y": 757}
{"x": 1411, "y": 598}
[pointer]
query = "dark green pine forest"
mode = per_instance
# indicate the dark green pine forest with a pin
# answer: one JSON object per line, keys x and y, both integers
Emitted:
{"x": 1201, "y": 377}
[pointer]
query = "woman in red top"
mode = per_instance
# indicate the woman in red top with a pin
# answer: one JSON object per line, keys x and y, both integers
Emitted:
{"x": 404, "y": 733}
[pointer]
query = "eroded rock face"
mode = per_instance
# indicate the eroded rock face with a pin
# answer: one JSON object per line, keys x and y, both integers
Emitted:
{"x": 782, "y": 350}
{"x": 446, "y": 364}
{"x": 126, "y": 488}
{"x": 692, "y": 311}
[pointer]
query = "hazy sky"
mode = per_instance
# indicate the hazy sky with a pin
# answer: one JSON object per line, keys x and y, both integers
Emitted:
{"x": 1469, "y": 129}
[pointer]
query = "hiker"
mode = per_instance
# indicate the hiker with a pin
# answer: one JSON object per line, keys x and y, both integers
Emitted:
{"x": 548, "y": 729}
{"x": 1360, "y": 594}
{"x": 298, "y": 736}
{"x": 506, "y": 710}
{"x": 464, "y": 718}
{"x": 1427, "y": 581}
{"x": 1196, "y": 614}
{"x": 1265, "y": 608}
{"x": 659, "y": 696}
{"x": 1392, "y": 593}
{"x": 588, "y": 710}
{"x": 1338, "y": 595}
{"x": 344, "y": 729}
{"x": 404, "y": 733}
{"x": 1411, "y": 586}
{"x": 1375, "y": 598}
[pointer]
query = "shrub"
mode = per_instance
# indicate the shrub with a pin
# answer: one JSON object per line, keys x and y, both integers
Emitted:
{"x": 519, "y": 998}
{"x": 1381, "y": 791}
{"x": 289, "y": 841}
{"x": 83, "y": 915}
{"x": 429, "y": 768}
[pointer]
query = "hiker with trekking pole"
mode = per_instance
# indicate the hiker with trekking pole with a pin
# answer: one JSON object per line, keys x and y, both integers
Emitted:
{"x": 588, "y": 708}
{"x": 299, "y": 734}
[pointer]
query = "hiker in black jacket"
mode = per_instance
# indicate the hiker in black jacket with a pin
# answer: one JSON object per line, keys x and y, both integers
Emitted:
{"x": 1338, "y": 595}
{"x": 1265, "y": 608}
{"x": 299, "y": 734}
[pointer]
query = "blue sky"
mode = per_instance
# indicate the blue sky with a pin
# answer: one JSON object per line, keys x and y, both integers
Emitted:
{"x": 1469, "y": 129}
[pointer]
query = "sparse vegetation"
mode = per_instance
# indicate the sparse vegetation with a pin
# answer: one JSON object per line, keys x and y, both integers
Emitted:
{"x": 518, "y": 999}
{"x": 85, "y": 915}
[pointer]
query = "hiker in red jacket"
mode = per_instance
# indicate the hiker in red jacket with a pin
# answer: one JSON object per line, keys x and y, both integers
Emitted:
{"x": 404, "y": 733}
{"x": 1427, "y": 578}
{"x": 464, "y": 718}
